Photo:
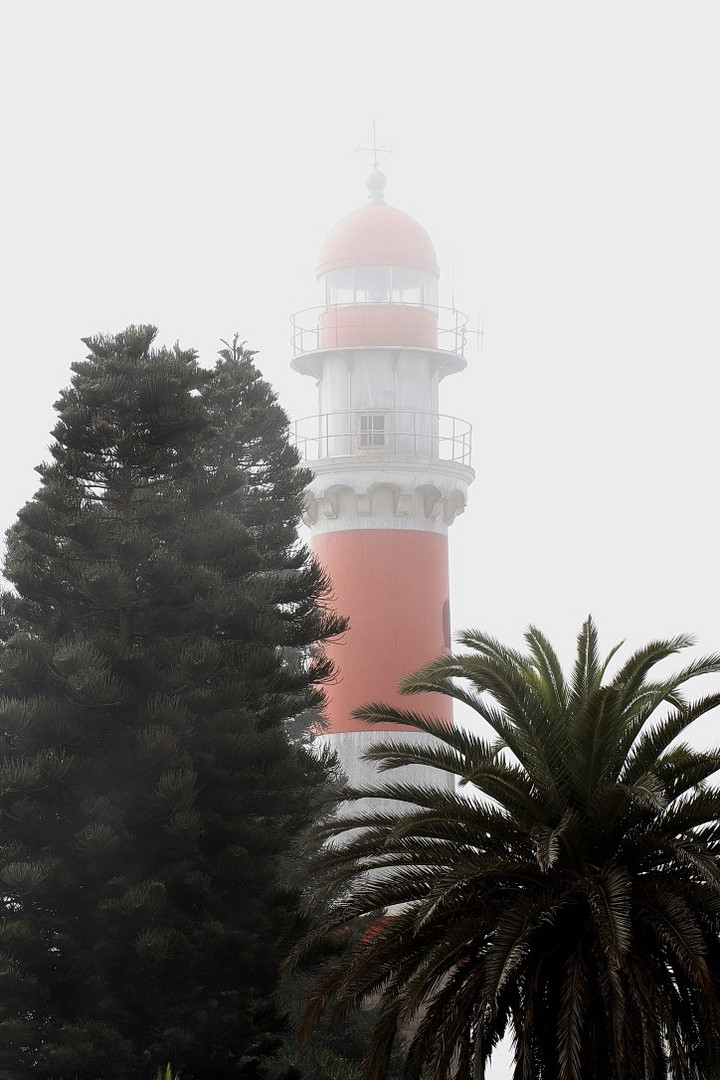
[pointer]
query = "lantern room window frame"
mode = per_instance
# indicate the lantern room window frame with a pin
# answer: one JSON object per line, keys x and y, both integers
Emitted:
{"x": 379, "y": 285}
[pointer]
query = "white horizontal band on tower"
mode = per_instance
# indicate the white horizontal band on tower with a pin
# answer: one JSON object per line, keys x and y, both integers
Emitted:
{"x": 386, "y": 497}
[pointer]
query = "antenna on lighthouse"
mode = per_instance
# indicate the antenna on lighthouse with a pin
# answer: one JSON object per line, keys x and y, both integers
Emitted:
{"x": 377, "y": 179}
{"x": 478, "y": 333}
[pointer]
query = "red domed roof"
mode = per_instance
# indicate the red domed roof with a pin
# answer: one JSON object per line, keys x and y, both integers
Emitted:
{"x": 377, "y": 235}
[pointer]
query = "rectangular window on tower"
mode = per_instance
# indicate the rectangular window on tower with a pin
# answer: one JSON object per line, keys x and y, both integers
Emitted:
{"x": 372, "y": 430}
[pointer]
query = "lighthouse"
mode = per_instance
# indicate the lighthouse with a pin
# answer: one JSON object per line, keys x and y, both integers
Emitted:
{"x": 391, "y": 472}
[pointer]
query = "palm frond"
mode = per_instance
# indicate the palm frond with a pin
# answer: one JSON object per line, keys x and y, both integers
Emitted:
{"x": 378, "y": 713}
{"x": 572, "y": 1022}
{"x": 634, "y": 670}
{"x": 690, "y": 811}
{"x": 670, "y": 918}
{"x": 610, "y": 900}
{"x": 550, "y": 838}
{"x": 652, "y": 742}
{"x": 551, "y": 684}
{"x": 394, "y": 753}
{"x": 589, "y": 670}
{"x": 517, "y": 922}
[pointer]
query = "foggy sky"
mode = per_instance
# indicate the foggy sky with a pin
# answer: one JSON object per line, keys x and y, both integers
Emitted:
{"x": 181, "y": 163}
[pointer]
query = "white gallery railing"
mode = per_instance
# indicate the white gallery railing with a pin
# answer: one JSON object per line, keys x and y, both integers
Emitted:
{"x": 333, "y": 325}
{"x": 377, "y": 435}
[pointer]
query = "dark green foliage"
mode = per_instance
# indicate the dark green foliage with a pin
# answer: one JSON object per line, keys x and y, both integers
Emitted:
{"x": 568, "y": 892}
{"x": 164, "y": 625}
{"x": 321, "y": 1062}
{"x": 334, "y": 1052}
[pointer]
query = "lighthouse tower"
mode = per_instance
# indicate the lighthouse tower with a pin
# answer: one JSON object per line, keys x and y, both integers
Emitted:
{"x": 390, "y": 471}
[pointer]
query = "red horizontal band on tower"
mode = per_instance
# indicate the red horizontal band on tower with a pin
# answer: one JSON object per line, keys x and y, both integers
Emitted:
{"x": 368, "y": 325}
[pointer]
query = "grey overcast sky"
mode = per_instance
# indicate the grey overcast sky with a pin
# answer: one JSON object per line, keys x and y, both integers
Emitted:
{"x": 180, "y": 163}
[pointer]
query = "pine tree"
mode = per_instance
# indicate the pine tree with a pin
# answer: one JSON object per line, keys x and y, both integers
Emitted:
{"x": 163, "y": 626}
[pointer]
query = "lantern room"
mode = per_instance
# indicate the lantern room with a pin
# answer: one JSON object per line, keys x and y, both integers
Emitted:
{"x": 378, "y": 279}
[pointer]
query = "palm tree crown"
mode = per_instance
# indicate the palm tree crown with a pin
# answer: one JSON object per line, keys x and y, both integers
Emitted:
{"x": 567, "y": 892}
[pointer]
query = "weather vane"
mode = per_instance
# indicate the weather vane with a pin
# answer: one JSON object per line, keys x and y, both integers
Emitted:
{"x": 374, "y": 149}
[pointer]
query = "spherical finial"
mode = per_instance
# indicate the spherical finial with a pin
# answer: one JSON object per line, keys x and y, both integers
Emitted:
{"x": 376, "y": 185}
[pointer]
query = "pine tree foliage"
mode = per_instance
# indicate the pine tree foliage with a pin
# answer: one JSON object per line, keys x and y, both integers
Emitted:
{"x": 568, "y": 891}
{"x": 164, "y": 623}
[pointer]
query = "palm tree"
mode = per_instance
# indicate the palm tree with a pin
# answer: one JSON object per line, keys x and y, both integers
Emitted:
{"x": 568, "y": 892}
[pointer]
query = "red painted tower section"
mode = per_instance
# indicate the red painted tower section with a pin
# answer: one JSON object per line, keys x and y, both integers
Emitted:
{"x": 393, "y": 587}
{"x": 391, "y": 472}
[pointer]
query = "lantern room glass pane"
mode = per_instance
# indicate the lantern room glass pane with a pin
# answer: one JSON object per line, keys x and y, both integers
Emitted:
{"x": 407, "y": 285}
{"x": 338, "y": 287}
{"x": 430, "y": 290}
{"x": 372, "y": 284}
